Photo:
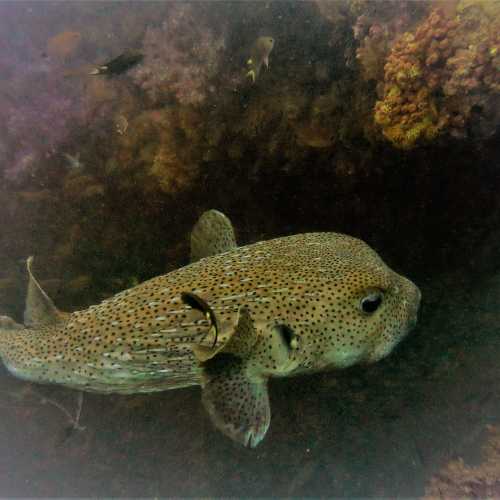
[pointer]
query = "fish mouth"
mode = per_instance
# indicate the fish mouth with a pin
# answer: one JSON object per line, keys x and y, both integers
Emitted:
{"x": 413, "y": 309}
{"x": 411, "y": 306}
{"x": 413, "y": 318}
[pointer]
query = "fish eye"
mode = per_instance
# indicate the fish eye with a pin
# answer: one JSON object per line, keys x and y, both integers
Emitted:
{"x": 371, "y": 302}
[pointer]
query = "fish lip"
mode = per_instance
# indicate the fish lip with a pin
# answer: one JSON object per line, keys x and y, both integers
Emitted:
{"x": 249, "y": 441}
{"x": 252, "y": 437}
{"x": 413, "y": 320}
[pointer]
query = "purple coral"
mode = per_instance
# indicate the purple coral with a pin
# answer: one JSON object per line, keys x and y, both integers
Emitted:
{"x": 182, "y": 56}
{"x": 37, "y": 104}
{"x": 36, "y": 122}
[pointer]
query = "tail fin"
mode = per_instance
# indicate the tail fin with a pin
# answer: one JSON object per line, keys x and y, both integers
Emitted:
{"x": 39, "y": 310}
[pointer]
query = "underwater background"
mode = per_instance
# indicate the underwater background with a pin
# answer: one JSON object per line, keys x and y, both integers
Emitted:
{"x": 376, "y": 119}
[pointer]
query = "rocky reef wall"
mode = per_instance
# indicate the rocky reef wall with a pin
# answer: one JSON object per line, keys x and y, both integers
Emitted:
{"x": 378, "y": 119}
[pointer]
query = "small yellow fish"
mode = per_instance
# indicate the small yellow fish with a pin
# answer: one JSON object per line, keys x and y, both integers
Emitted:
{"x": 229, "y": 321}
{"x": 259, "y": 55}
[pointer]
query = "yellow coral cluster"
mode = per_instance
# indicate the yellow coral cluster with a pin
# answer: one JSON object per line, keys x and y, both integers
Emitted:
{"x": 435, "y": 76}
{"x": 408, "y": 113}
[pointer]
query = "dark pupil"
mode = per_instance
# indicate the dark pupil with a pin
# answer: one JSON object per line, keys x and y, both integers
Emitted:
{"x": 371, "y": 305}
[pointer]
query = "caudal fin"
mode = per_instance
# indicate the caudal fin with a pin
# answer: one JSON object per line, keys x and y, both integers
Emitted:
{"x": 39, "y": 310}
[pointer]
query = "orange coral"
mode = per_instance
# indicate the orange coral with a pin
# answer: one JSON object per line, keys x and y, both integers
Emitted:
{"x": 433, "y": 77}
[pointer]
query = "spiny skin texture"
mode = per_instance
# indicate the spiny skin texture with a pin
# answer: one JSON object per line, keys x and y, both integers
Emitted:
{"x": 212, "y": 234}
{"x": 141, "y": 339}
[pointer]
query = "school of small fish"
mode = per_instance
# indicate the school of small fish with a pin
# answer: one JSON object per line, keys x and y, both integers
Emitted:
{"x": 228, "y": 321}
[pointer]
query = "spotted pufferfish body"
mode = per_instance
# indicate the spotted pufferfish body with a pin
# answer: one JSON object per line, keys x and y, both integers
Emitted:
{"x": 227, "y": 322}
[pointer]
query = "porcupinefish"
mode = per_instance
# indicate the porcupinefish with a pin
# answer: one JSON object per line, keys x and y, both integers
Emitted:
{"x": 228, "y": 321}
{"x": 259, "y": 55}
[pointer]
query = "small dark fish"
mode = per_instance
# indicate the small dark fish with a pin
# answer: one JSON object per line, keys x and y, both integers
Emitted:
{"x": 119, "y": 64}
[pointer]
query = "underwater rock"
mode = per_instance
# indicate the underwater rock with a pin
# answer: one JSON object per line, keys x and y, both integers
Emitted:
{"x": 372, "y": 52}
{"x": 377, "y": 26}
{"x": 458, "y": 480}
{"x": 336, "y": 13}
{"x": 35, "y": 197}
{"x": 314, "y": 135}
{"x": 79, "y": 284}
{"x": 81, "y": 186}
{"x": 37, "y": 121}
{"x": 182, "y": 56}
{"x": 171, "y": 173}
{"x": 161, "y": 151}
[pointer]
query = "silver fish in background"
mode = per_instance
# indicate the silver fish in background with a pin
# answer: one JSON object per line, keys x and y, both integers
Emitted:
{"x": 259, "y": 55}
{"x": 229, "y": 321}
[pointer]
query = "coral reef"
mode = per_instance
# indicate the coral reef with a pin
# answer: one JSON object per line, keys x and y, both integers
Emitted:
{"x": 372, "y": 50}
{"x": 376, "y": 27}
{"x": 36, "y": 124}
{"x": 75, "y": 150}
{"x": 182, "y": 56}
{"x": 46, "y": 96}
{"x": 458, "y": 480}
{"x": 435, "y": 78}
{"x": 160, "y": 152}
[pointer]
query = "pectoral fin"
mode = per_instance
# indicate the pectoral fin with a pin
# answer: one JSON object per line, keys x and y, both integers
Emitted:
{"x": 39, "y": 310}
{"x": 239, "y": 343}
{"x": 211, "y": 235}
{"x": 237, "y": 402}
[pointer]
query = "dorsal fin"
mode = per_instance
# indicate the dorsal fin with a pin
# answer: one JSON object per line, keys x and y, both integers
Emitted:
{"x": 211, "y": 235}
{"x": 40, "y": 310}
